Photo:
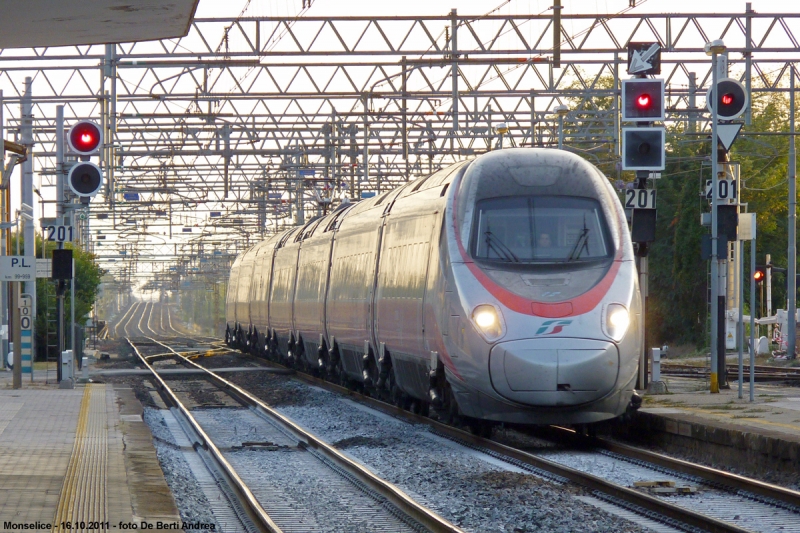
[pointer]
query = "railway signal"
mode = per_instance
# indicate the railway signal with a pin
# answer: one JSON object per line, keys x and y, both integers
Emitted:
{"x": 85, "y": 179}
{"x": 642, "y": 100}
{"x": 643, "y": 148}
{"x": 730, "y": 99}
{"x": 85, "y": 137}
{"x": 759, "y": 275}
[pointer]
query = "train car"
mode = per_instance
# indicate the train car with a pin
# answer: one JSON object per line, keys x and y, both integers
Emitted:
{"x": 500, "y": 289}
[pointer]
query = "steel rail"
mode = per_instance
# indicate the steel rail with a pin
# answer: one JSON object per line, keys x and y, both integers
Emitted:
{"x": 591, "y": 482}
{"x": 792, "y": 497}
{"x": 122, "y": 318}
{"x": 394, "y": 494}
{"x": 257, "y": 513}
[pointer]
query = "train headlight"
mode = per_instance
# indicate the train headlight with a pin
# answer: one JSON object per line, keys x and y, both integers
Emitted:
{"x": 488, "y": 321}
{"x": 617, "y": 321}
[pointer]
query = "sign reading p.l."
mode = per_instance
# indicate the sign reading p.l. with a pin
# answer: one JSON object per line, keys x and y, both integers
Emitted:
{"x": 26, "y": 332}
{"x": 17, "y": 268}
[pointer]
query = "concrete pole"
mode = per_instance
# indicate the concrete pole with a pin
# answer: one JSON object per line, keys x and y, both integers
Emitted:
{"x": 714, "y": 386}
{"x": 27, "y": 198}
{"x": 3, "y": 284}
{"x": 16, "y": 335}
{"x": 791, "y": 275}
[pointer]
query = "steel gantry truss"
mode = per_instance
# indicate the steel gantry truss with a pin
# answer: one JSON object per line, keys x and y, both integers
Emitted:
{"x": 250, "y": 124}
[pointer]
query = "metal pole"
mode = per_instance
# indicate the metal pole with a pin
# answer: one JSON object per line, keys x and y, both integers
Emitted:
{"x": 72, "y": 309}
{"x": 791, "y": 275}
{"x": 560, "y": 131}
{"x": 752, "y": 310}
{"x": 748, "y": 60}
{"x": 366, "y": 139}
{"x": 556, "y": 33}
{"x": 643, "y": 267}
{"x": 454, "y": 68}
{"x": 60, "y": 164}
{"x": 740, "y": 321}
{"x": 714, "y": 387}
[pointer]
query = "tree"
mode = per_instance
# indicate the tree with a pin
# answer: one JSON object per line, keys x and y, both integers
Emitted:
{"x": 87, "y": 282}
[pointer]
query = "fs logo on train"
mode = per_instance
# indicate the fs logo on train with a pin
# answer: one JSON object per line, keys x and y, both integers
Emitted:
{"x": 551, "y": 327}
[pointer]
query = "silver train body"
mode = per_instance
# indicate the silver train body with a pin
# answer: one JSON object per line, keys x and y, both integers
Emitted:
{"x": 502, "y": 289}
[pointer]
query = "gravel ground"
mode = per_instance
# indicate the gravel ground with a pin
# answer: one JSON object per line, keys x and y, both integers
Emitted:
{"x": 473, "y": 493}
{"x": 189, "y": 498}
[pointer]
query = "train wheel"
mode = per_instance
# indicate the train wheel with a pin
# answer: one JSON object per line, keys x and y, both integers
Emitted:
{"x": 480, "y": 428}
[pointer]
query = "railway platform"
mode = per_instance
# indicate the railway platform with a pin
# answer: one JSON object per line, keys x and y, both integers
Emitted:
{"x": 724, "y": 430}
{"x": 77, "y": 459}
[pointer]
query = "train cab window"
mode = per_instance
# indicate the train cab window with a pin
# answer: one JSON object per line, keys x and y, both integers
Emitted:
{"x": 540, "y": 229}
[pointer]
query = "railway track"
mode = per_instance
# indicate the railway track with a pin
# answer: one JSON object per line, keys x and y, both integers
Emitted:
{"x": 735, "y": 498}
{"x": 385, "y": 506}
{"x": 763, "y": 373}
{"x": 736, "y": 503}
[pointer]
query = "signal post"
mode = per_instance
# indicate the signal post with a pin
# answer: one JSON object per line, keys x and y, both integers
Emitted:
{"x": 727, "y": 99}
{"x": 84, "y": 179}
{"x": 643, "y": 151}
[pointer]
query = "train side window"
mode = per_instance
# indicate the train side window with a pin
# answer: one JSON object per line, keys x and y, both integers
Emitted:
{"x": 397, "y": 193}
{"x": 286, "y": 238}
{"x": 383, "y": 197}
{"x": 337, "y": 219}
{"x": 308, "y": 229}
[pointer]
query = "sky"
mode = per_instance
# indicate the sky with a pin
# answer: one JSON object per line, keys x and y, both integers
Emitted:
{"x": 211, "y": 8}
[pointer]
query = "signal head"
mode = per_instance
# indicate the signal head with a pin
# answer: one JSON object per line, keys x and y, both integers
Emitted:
{"x": 643, "y": 148}
{"x": 85, "y": 179}
{"x": 85, "y": 137}
{"x": 642, "y": 100}
{"x": 758, "y": 275}
{"x": 731, "y": 100}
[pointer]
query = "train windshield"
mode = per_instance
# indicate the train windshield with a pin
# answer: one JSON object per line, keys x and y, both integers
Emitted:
{"x": 540, "y": 229}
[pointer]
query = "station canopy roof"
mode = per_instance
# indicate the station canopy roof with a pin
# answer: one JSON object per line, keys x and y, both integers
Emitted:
{"x": 40, "y": 23}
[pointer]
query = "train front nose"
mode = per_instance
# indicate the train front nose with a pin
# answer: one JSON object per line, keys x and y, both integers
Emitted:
{"x": 555, "y": 372}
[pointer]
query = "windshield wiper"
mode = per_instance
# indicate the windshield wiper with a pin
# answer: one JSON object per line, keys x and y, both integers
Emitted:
{"x": 580, "y": 245}
{"x": 499, "y": 248}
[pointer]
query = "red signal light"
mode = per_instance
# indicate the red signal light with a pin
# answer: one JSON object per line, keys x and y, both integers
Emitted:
{"x": 644, "y": 100}
{"x": 758, "y": 275}
{"x": 85, "y": 137}
{"x": 727, "y": 99}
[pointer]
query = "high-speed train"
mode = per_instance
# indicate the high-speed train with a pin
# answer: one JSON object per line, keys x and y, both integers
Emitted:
{"x": 500, "y": 289}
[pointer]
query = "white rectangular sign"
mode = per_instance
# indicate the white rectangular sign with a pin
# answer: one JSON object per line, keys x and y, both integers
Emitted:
{"x": 59, "y": 233}
{"x": 44, "y": 268}
{"x": 640, "y": 199}
{"x": 726, "y": 190}
{"x": 16, "y": 268}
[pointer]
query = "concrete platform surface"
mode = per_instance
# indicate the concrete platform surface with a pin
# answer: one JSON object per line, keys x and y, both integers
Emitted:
{"x": 81, "y": 455}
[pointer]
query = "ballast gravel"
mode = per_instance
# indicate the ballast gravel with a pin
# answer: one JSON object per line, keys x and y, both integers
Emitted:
{"x": 465, "y": 488}
{"x": 189, "y": 498}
